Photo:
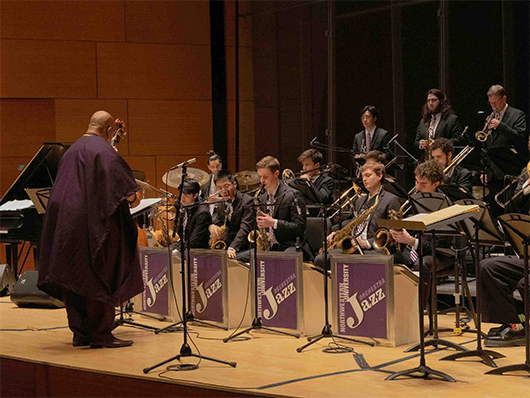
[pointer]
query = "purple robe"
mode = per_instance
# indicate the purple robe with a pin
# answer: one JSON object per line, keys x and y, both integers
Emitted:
{"x": 88, "y": 243}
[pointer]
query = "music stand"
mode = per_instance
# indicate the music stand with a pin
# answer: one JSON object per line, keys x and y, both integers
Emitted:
{"x": 326, "y": 330}
{"x": 517, "y": 230}
{"x": 430, "y": 202}
{"x": 39, "y": 197}
{"x": 490, "y": 236}
{"x": 423, "y": 224}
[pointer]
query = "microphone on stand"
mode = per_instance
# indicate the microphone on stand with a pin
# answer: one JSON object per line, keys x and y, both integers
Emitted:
{"x": 187, "y": 162}
{"x": 392, "y": 139}
{"x": 298, "y": 209}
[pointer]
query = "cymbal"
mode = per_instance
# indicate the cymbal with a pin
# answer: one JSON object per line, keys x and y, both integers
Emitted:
{"x": 175, "y": 177}
{"x": 139, "y": 175}
{"x": 247, "y": 178}
{"x": 145, "y": 185}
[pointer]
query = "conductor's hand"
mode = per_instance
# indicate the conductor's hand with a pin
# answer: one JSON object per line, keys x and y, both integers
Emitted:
{"x": 402, "y": 236}
{"x": 265, "y": 221}
{"x": 231, "y": 253}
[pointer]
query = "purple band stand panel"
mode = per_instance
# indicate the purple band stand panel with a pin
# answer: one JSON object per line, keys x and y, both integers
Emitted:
{"x": 209, "y": 287}
{"x": 362, "y": 295}
{"x": 280, "y": 295}
{"x": 154, "y": 264}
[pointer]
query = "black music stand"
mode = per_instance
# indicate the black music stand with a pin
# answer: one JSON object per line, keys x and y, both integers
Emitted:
{"x": 517, "y": 230}
{"x": 257, "y": 323}
{"x": 485, "y": 233}
{"x": 326, "y": 330}
{"x": 428, "y": 203}
{"x": 185, "y": 349}
{"x": 422, "y": 227}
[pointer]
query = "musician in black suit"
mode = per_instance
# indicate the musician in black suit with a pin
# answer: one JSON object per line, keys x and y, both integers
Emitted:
{"x": 373, "y": 174}
{"x": 285, "y": 220}
{"x": 372, "y": 137}
{"x": 214, "y": 164}
{"x": 196, "y": 218}
{"x": 438, "y": 121}
{"x": 236, "y": 211}
{"x": 321, "y": 183}
{"x": 508, "y": 131}
{"x": 442, "y": 151}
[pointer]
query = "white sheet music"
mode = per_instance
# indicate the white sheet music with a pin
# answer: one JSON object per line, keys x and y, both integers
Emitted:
{"x": 144, "y": 204}
{"x": 16, "y": 205}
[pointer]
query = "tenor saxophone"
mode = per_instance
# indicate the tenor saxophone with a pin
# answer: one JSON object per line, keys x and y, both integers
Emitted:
{"x": 343, "y": 238}
{"x": 259, "y": 235}
{"x": 220, "y": 244}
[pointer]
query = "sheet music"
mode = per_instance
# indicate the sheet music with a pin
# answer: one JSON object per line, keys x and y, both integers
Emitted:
{"x": 16, "y": 205}
{"x": 443, "y": 214}
{"x": 144, "y": 204}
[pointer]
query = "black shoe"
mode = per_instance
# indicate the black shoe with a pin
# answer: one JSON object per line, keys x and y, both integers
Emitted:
{"x": 495, "y": 331}
{"x": 114, "y": 343}
{"x": 507, "y": 337}
{"x": 81, "y": 342}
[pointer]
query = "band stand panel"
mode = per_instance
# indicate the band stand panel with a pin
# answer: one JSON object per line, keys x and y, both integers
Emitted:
{"x": 219, "y": 289}
{"x": 157, "y": 297}
{"x": 280, "y": 290}
{"x": 372, "y": 298}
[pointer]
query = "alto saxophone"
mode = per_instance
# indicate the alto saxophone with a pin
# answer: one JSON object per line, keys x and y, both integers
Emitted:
{"x": 220, "y": 244}
{"x": 343, "y": 238}
{"x": 259, "y": 235}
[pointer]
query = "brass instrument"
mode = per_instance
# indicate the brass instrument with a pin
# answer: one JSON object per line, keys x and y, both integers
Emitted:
{"x": 358, "y": 192}
{"x": 288, "y": 174}
{"x": 220, "y": 244}
{"x": 382, "y": 237}
{"x": 504, "y": 204}
{"x": 259, "y": 235}
{"x": 483, "y": 134}
{"x": 448, "y": 171}
{"x": 343, "y": 238}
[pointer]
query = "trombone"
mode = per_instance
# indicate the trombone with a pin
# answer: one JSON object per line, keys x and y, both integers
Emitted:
{"x": 448, "y": 171}
{"x": 519, "y": 177}
{"x": 358, "y": 192}
{"x": 483, "y": 134}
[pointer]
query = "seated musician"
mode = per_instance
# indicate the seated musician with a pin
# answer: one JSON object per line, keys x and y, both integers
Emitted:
{"x": 284, "y": 221}
{"x": 321, "y": 183}
{"x": 375, "y": 156}
{"x": 442, "y": 151}
{"x": 195, "y": 220}
{"x": 235, "y": 213}
{"x": 373, "y": 174}
{"x": 429, "y": 175}
{"x": 500, "y": 277}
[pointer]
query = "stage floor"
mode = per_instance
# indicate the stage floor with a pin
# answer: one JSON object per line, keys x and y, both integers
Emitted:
{"x": 267, "y": 364}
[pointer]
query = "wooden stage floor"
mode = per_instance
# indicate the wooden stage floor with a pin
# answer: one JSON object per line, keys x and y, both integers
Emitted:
{"x": 267, "y": 364}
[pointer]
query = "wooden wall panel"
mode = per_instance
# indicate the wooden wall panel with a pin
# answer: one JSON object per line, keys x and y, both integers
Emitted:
{"x": 245, "y": 23}
{"x": 100, "y": 20}
{"x": 267, "y": 135}
{"x": 183, "y": 22}
{"x": 153, "y": 71}
{"x": 72, "y": 118}
{"x": 246, "y": 128}
{"x": 24, "y": 125}
{"x": 47, "y": 69}
{"x": 246, "y": 90}
{"x": 164, "y": 163}
{"x": 170, "y": 127}
{"x": 10, "y": 168}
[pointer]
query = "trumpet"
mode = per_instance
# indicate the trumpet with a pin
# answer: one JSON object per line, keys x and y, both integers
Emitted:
{"x": 483, "y": 134}
{"x": 521, "y": 192}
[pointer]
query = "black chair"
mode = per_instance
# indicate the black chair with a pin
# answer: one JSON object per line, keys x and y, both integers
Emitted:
{"x": 315, "y": 233}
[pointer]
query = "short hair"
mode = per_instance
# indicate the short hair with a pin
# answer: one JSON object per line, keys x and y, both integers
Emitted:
{"x": 311, "y": 154}
{"x": 269, "y": 162}
{"x": 212, "y": 156}
{"x": 222, "y": 175}
{"x": 496, "y": 89}
{"x": 431, "y": 170}
{"x": 370, "y": 108}
{"x": 445, "y": 144}
{"x": 377, "y": 168}
{"x": 190, "y": 186}
{"x": 378, "y": 156}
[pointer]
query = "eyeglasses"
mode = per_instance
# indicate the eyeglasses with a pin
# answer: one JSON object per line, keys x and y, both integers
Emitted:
{"x": 225, "y": 187}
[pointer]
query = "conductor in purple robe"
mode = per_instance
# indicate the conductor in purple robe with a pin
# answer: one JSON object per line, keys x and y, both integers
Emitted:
{"x": 88, "y": 256}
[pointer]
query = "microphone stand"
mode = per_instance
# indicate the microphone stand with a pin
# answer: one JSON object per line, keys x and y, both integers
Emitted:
{"x": 185, "y": 349}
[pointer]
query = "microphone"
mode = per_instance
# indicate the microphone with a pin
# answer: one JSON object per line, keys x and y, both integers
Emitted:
{"x": 187, "y": 162}
{"x": 298, "y": 209}
{"x": 465, "y": 131}
{"x": 313, "y": 141}
{"x": 392, "y": 139}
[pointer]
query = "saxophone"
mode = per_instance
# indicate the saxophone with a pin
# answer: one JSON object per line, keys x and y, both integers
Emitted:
{"x": 220, "y": 244}
{"x": 343, "y": 238}
{"x": 259, "y": 235}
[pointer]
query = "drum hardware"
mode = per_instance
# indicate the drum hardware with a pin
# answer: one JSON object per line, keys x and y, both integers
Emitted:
{"x": 173, "y": 178}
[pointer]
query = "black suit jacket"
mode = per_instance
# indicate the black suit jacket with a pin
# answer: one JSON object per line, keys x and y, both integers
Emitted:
{"x": 240, "y": 224}
{"x": 511, "y": 132}
{"x": 387, "y": 201}
{"x": 462, "y": 178}
{"x": 448, "y": 127}
{"x": 205, "y": 189}
{"x": 323, "y": 188}
{"x": 199, "y": 220}
{"x": 290, "y": 211}
{"x": 379, "y": 142}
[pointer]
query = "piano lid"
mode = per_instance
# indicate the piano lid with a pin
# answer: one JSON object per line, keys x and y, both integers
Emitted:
{"x": 40, "y": 172}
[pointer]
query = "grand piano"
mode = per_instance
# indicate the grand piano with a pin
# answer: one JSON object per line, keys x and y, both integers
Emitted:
{"x": 25, "y": 223}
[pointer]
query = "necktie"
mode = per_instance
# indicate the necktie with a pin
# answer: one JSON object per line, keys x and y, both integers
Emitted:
{"x": 368, "y": 140}
{"x": 431, "y": 127}
{"x": 185, "y": 223}
{"x": 270, "y": 210}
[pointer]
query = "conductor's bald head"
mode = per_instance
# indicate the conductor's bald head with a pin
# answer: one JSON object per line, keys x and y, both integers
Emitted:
{"x": 102, "y": 124}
